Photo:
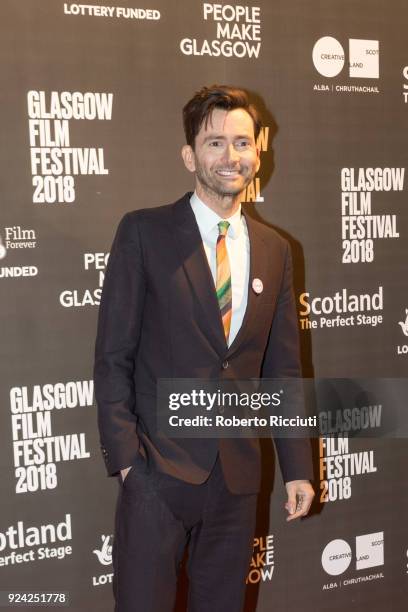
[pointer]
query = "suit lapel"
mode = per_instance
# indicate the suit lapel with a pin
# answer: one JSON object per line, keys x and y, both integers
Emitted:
{"x": 195, "y": 263}
{"x": 191, "y": 250}
{"x": 258, "y": 269}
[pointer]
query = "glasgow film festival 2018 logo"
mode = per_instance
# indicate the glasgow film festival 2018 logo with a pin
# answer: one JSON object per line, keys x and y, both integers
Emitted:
{"x": 55, "y": 163}
{"x": 361, "y": 225}
{"x": 36, "y": 449}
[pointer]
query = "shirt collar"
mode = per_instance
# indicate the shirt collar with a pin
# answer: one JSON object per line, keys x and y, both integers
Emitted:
{"x": 208, "y": 220}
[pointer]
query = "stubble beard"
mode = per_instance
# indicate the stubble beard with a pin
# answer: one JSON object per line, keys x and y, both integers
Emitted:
{"x": 218, "y": 192}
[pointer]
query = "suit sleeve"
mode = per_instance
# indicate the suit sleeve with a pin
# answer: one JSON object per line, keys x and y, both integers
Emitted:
{"x": 282, "y": 360}
{"x": 119, "y": 328}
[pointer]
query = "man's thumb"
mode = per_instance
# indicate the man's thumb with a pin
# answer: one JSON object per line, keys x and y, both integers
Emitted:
{"x": 291, "y": 503}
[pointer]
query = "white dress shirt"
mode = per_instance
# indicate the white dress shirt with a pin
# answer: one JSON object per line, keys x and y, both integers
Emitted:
{"x": 237, "y": 243}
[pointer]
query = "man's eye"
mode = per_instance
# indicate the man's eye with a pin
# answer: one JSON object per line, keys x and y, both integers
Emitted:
{"x": 215, "y": 143}
{"x": 243, "y": 143}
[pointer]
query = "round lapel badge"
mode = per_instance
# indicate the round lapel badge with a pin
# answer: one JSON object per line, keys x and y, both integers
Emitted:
{"x": 257, "y": 285}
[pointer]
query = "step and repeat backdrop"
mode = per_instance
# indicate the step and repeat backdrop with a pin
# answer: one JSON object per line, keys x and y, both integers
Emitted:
{"x": 91, "y": 128}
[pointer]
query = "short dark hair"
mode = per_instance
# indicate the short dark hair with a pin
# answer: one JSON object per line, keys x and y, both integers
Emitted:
{"x": 198, "y": 110}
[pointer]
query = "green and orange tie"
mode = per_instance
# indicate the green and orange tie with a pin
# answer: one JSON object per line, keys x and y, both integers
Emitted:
{"x": 223, "y": 283}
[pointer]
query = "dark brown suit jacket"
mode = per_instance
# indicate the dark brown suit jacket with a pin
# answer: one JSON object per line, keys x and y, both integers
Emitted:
{"x": 159, "y": 318}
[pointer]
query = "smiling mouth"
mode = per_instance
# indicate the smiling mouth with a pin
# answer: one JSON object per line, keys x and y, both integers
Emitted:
{"x": 229, "y": 173}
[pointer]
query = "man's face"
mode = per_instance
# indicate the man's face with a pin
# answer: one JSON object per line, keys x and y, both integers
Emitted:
{"x": 225, "y": 158}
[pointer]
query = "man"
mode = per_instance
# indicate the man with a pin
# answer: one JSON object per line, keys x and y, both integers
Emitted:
{"x": 194, "y": 289}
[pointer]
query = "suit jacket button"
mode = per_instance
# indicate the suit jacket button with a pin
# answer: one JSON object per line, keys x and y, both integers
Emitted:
{"x": 225, "y": 364}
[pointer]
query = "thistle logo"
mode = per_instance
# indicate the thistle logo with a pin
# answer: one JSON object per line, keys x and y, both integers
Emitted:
{"x": 329, "y": 57}
{"x": 104, "y": 553}
{"x": 404, "y": 324}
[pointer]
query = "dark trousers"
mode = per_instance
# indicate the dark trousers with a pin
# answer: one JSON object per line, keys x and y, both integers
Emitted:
{"x": 156, "y": 517}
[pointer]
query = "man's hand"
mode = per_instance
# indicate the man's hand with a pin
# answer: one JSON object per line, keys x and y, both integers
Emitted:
{"x": 300, "y": 497}
{"x": 124, "y": 472}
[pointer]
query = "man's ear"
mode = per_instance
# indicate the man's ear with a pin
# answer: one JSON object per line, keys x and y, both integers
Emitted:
{"x": 188, "y": 156}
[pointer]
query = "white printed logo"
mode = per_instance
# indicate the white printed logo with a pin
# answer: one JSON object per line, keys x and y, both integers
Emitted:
{"x": 104, "y": 554}
{"x": 329, "y": 57}
{"x": 336, "y": 557}
{"x": 15, "y": 239}
{"x": 18, "y": 238}
{"x": 370, "y": 550}
{"x": 402, "y": 349}
{"x": 404, "y": 324}
{"x": 364, "y": 56}
{"x": 89, "y": 297}
{"x": 405, "y": 85}
{"x": 237, "y": 32}
{"x": 262, "y": 563}
{"x": 3, "y": 250}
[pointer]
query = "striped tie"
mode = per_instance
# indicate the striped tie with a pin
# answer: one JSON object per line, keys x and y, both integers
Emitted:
{"x": 223, "y": 284}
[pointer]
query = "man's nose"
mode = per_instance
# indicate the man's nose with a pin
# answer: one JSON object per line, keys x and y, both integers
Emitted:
{"x": 231, "y": 153}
